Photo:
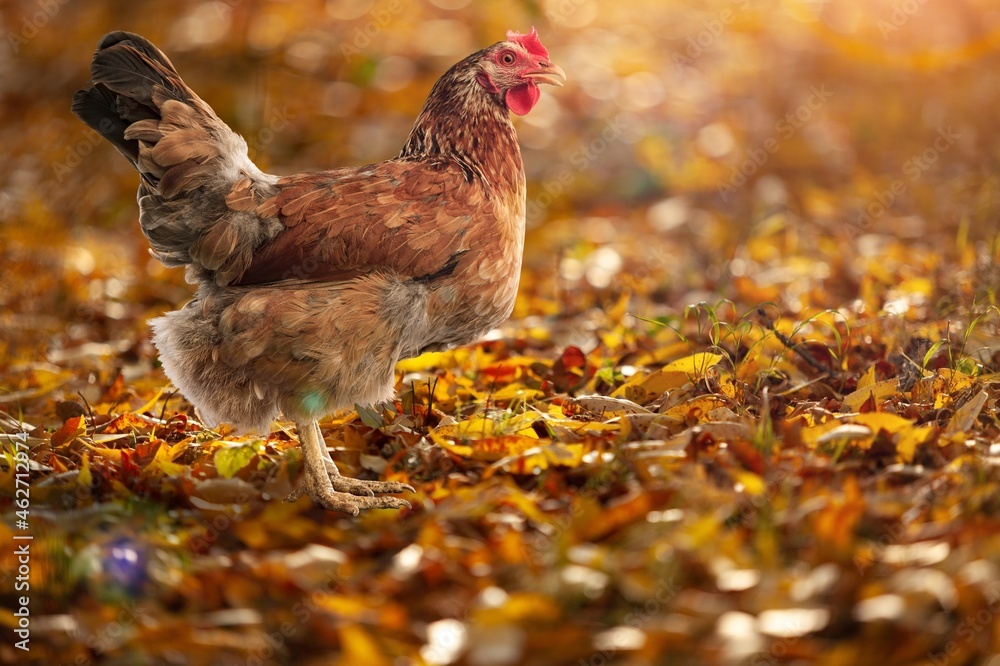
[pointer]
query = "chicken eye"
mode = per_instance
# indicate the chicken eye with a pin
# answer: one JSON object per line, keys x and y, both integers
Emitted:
{"x": 508, "y": 57}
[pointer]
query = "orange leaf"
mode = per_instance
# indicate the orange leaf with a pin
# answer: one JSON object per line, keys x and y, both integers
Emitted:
{"x": 500, "y": 373}
{"x": 126, "y": 423}
{"x": 495, "y": 448}
{"x": 618, "y": 514}
{"x": 70, "y": 430}
{"x": 748, "y": 455}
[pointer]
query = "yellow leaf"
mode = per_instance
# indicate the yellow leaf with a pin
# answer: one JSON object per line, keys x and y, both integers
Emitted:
{"x": 697, "y": 410}
{"x": 152, "y": 403}
{"x": 729, "y": 388}
{"x": 555, "y": 411}
{"x": 47, "y": 378}
{"x": 813, "y": 436}
{"x": 853, "y": 401}
{"x": 834, "y": 524}
{"x": 696, "y": 364}
{"x": 867, "y": 379}
{"x": 942, "y": 401}
{"x": 617, "y": 311}
{"x": 524, "y": 454}
{"x": 176, "y": 449}
{"x": 524, "y": 503}
{"x": 564, "y": 455}
{"x": 665, "y": 353}
{"x": 909, "y": 439}
{"x": 749, "y": 367}
{"x": 474, "y": 425}
{"x": 120, "y": 489}
{"x": 944, "y": 381}
{"x": 515, "y": 392}
{"x": 907, "y": 434}
{"x": 495, "y": 448}
{"x": 127, "y": 423}
{"x": 85, "y": 479}
{"x": 594, "y": 426}
{"x": 891, "y": 423}
{"x": 432, "y": 360}
{"x": 442, "y": 440}
{"x": 164, "y": 462}
{"x": 752, "y": 484}
{"x": 229, "y": 460}
{"x": 663, "y": 380}
{"x": 114, "y": 455}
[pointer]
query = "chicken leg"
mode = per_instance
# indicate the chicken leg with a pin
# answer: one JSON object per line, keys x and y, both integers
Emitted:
{"x": 328, "y": 488}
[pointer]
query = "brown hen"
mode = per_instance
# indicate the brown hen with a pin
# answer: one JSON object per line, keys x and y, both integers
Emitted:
{"x": 311, "y": 287}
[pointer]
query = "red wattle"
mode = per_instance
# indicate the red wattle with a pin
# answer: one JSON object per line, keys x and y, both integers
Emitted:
{"x": 521, "y": 98}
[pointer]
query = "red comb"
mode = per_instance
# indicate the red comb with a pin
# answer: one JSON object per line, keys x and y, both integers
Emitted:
{"x": 529, "y": 42}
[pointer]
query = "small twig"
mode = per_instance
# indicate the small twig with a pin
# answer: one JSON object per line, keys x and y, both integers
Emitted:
{"x": 166, "y": 398}
{"x": 493, "y": 387}
{"x": 430, "y": 394}
{"x": 90, "y": 412}
{"x": 793, "y": 347}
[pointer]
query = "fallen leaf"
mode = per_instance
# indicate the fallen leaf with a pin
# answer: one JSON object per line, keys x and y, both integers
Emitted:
{"x": 229, "y": 460}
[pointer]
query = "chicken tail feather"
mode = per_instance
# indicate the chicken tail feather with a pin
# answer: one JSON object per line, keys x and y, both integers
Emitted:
{"x": 126, "y": 70}
{"x": 189, "y": 161}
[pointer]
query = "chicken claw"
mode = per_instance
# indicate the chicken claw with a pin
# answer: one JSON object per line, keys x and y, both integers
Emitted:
{"x": 328, "y": 488}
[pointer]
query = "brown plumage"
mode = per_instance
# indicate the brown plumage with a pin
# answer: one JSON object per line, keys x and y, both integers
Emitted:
{"x": 311, "y": 287}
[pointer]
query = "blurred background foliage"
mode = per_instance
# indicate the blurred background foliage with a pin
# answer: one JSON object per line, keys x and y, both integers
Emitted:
{"x": 696, "y": 145}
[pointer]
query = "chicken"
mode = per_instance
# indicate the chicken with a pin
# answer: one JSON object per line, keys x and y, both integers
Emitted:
{"x": 311, "y": 287}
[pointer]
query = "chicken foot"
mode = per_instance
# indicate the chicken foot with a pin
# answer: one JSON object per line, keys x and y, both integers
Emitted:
{"x": 328, "y": 488}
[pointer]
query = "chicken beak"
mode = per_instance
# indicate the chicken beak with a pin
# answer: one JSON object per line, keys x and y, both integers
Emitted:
{"x": 546, "y": 72}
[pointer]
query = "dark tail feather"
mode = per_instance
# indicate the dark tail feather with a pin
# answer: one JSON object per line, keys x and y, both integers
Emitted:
{"x": 96, "y": 107}
{"x": 189, "y": 160}
{"x": 125, "y": 71}
{"x": 131, "y": 66}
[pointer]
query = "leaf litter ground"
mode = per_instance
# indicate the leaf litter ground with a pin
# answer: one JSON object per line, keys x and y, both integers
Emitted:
{"x": 732, "y": 421}
{"x": 719, "y": 483}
